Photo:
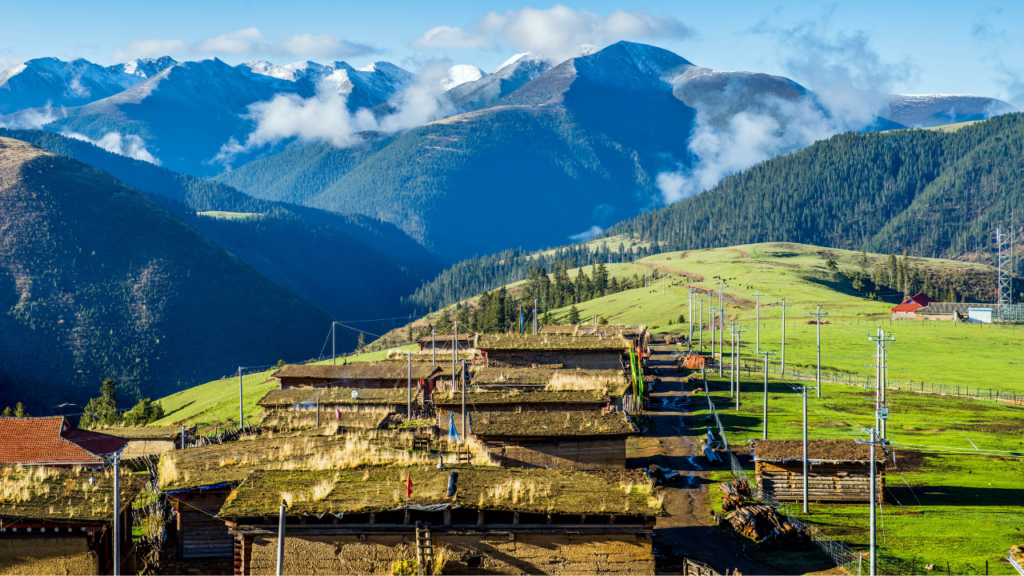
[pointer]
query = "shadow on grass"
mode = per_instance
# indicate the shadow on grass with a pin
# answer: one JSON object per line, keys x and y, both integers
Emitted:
{"x": 178, "y": 409}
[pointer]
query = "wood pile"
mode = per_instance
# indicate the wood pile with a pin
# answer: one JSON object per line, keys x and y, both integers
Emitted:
{"x": 763, "y": 524}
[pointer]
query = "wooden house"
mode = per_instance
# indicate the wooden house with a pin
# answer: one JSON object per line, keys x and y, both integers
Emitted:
{"x": 907, "y": 310}
{"x": 329, "y": 421}
{"x": 62, "y": 521}
{"x": 330, "y": 400}
{"x": 386, "y": 374}
{"x": 838, "y": 470}
{"x": 593, "y": 440}
{"x": 146, "y": 441}
{"x": 443, "y": 343}
{"x": 590, "y": 353}
{"x": 480, "y": 520}
{"x": 53, "y": 441}
{"x": 449, "y": 406}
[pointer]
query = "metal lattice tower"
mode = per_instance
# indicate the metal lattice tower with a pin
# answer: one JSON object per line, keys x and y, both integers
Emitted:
{"x": 1004, "y": 244}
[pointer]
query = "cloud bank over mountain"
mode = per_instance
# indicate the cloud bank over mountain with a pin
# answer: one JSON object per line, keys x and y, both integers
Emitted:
{"x": 247, "y": 41}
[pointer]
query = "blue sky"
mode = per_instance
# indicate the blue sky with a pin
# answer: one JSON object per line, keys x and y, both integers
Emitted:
{"x": 908, "y": 47}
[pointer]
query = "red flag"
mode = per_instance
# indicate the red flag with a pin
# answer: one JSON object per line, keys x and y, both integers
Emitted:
{"x": 408, "y": 486}
{"x": 337, "y": 413}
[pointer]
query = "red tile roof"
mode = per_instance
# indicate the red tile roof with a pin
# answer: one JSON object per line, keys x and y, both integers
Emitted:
{"x": 908, "y": 306}
{"x": 922, "y": 299}
{"x": 52, "y": 440}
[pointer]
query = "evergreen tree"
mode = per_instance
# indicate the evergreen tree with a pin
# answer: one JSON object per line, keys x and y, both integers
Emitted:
{"x": 103, "y": 409}
{"x": 574, "y": 315}
{"x": 8, "y": 413}
{"x": 143, "y": 413}
{"x": 19, "y": 411}
{"x": 361, "y": 343}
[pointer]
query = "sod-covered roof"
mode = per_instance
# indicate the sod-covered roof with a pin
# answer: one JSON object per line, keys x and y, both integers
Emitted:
{"x": 305, "y": 419}
{"x": 592, "y": 330}
{"x": 143, "y": 432}
{"x": 531, "y": 342}
{"x": 335, "y": 396}
{"x": 540, "y": 376}
{"x": 386, "y": 370}
{"x": 474, "y": 398}
{"x": 817, "y": 450}
{"x": 61, "y": 494}
{"x": 560, "y": 424}
{"x": 375, "y": 488}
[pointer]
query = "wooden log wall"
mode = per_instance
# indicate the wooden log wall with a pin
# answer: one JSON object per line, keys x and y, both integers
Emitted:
{"x": 199, "y": 534}
{"x": 825, "y": 482}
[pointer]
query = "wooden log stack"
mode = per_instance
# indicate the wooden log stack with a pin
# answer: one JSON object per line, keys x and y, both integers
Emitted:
{"x": 763, "y": 524}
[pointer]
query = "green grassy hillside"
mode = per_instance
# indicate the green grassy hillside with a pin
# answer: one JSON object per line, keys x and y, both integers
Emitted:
{"x": 981, "y": 355}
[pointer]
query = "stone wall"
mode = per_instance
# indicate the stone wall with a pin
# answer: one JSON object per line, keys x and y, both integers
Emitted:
{"x": 612, "y": 553}
{"x": 45, "y": 555}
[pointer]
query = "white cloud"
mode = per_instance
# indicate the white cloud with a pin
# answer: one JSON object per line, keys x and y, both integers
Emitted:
{"x": 847, "y": 77}
{"x": 556, "y": 32}
{"x": 588, "y": 234}
{"x": 325, "y": 117}
{"x": 128, "y": 145}
{"x": 32, "y": 118}
{"x": 451, "y": 37}
{"x": 248, "y": 42}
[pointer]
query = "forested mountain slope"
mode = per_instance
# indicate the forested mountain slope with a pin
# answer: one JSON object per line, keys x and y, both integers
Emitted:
{"x": 348, "y": 264}
{"x": 932, "y": 193}
{"x": 98, "y": 281}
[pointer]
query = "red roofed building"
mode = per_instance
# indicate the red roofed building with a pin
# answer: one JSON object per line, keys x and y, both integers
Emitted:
{"x": 53, "y": 441}
{"x": 908, "y": 309}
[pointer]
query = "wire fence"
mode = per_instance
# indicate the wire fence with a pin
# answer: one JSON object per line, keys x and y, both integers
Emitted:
{"x": 754, "y": 370}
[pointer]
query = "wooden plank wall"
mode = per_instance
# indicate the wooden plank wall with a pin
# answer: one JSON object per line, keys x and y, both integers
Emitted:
{"x": 199, "y": 534}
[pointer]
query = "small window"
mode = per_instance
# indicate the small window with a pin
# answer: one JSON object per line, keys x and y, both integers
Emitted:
{"x": 475, "y": 561}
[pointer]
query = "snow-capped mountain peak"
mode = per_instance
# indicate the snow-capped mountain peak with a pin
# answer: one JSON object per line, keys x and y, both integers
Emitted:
{"x": 460, "y": 74}
{"x": 143, "y": 68}
{"x": 525, "y": 57}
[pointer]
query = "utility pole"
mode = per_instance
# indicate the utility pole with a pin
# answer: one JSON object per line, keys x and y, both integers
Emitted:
{"x": 333, "y": 355}
{"x": 433, "y": 347}
{"x": 117, "y": 513}
{"x": 817, "y": 321}
{"x": 463, "y": 398}
{"x": 408, "y": 414}
{"x": 764, "y": 424}
{"x": 782, "y": 368}
{"x": 241, "y": 409}
{"x": 721, "y": 325}
{"x": 689, "y": 316}
{"x": 873, "y": 496}
{"x": 700, "y": 326}
{"x": 280, "y": 537}
{"x": 534, "y": 315}
{"x": 881, "y": 367}
{"x": 803, "y": 394}
{"x": 757, "y": 342}
{"x": 732, "y": 356}
{"x": 736, "y": 362}
{"x": 711, "y": 318}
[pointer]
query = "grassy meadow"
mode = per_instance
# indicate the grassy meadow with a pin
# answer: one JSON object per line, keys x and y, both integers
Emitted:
{"x": 986, "y": 356}
{"x": 941, "y": 505}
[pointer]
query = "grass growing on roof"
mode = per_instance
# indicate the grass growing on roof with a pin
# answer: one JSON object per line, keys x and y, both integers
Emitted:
{"x": 548, "y": 342}
{"x": 383, "y": 488}
{"x": 62, "y": 494}
{"x": 961, "y": 509}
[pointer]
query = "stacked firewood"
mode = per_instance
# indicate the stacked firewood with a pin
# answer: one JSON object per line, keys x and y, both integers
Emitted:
{"x": 761, "y": 522}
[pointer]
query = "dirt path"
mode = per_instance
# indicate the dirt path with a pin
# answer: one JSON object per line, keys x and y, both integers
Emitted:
{"x": 689, "y": 528}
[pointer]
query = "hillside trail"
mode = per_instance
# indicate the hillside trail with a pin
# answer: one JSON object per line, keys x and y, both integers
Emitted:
{"x": 688, "y": 529}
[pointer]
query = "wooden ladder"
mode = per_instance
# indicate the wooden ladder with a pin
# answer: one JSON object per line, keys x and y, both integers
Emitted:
{"x": 463, "y": 456}
{"x": 421, "y": 443}
{"x": 424, "y": 548}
